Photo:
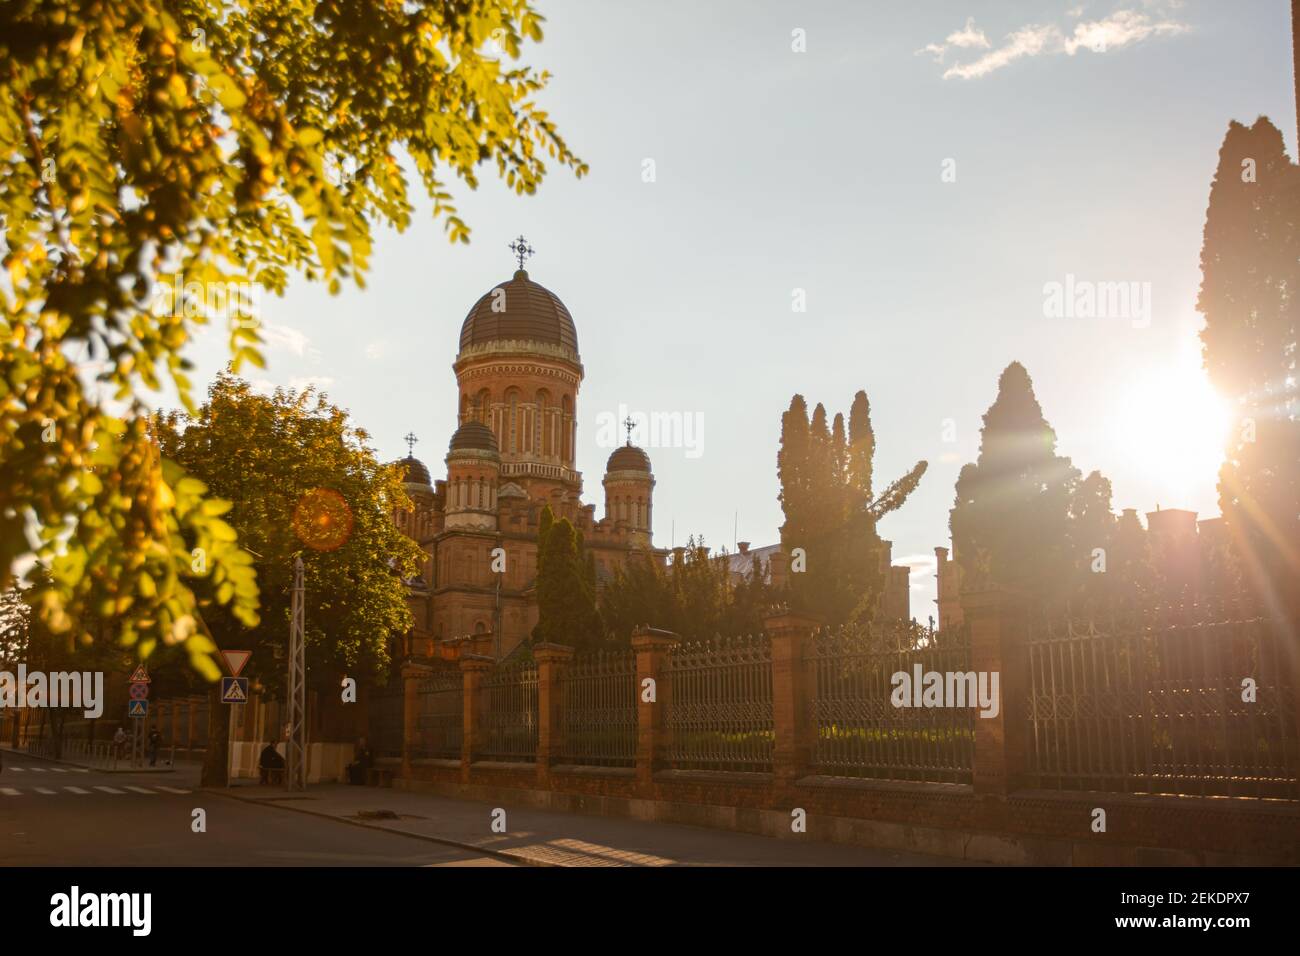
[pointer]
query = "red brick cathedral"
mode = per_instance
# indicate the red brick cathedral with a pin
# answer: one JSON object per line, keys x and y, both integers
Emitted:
{"x": 518, "y": 373}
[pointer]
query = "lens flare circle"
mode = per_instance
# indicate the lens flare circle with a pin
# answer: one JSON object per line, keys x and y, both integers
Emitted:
{"x": 322, "y": 520}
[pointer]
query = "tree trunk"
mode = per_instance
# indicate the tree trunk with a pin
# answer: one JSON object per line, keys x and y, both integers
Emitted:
{"x": 216, "y": 758}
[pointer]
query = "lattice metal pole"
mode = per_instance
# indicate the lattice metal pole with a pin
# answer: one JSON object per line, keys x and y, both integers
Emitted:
{"x": 296, "y": 746}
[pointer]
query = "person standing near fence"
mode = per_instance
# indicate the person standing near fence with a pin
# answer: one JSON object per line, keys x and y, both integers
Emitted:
{"x": 119, "y": 743}
{"x": 155, "y": 741}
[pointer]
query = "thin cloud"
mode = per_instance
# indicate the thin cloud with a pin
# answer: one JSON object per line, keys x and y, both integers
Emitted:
{"x": 1119, "y": 29}
{"x": 919, "y": 566}
{"x": 968, "y": 37}
{"x": 285, "y": 337}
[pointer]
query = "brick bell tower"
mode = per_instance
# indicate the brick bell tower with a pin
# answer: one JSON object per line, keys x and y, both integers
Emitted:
{"x": 518, "y": 373}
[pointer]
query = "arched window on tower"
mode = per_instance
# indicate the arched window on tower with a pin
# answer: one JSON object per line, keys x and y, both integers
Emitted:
{"x": 566, "y": 448}
{"x": 539, "y": 440}
{"x": 512, "y": 424}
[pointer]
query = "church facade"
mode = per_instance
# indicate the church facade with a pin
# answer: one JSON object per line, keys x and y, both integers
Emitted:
{"x": 518, "y": 374}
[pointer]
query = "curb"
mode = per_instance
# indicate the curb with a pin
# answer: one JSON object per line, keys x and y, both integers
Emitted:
{"x": 506, "y": 855}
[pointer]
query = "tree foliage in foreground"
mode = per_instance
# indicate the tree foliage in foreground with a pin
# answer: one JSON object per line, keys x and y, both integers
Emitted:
{"x": 223, "y": 144}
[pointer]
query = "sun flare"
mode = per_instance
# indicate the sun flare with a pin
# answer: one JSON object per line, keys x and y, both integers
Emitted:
{"x": 1175, "y": 429}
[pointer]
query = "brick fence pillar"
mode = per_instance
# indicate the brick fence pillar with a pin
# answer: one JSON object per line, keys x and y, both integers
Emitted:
{"x": 412, "y": 673}
{"x": 652, "y": 647}
{"x": 551, "y": 662}
{"x": 793, "y": 686}
{"x": 472, "y": 669}
{"x": 998, "y": 621}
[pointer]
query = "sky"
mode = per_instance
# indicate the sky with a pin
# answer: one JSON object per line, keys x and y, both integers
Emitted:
{"x": 917, "y": 175}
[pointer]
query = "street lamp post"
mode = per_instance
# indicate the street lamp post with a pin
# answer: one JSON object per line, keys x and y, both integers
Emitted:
{"x": 296, "y": 746}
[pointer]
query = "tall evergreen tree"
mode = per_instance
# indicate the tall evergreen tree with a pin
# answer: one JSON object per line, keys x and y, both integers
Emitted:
{"x": 566, "y": 605}
{"x": 1130, "y": 566}
{"x": 862, "y": 446}
{"x": 1093, "y": 527}
{"x": 792, "y": 468}
{"x": 831, "y": 514}
{"x": 1250, "y": 264}
{"x": 1010, "y": 519}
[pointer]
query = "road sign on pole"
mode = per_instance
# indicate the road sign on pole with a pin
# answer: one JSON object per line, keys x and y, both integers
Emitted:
{"x": 137, "y": 708}
{"x": 139, "y": 675}
{"x": 234, "y": 690}
{"x": 235, "y": 660}
{"x": 139, "y": 691}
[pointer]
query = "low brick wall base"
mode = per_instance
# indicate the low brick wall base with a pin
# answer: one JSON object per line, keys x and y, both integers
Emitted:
{"x": 1041, "y": 828}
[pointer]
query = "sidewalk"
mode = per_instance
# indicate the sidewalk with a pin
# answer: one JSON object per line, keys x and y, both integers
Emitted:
{"x": 9, "y": 753}
{"x": 550, "y": 838}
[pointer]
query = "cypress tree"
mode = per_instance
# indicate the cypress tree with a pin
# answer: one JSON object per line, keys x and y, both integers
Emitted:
{"x": 1010, "y": 518}
{"x": 1250, "y": 264}
{"x": 792, "y": 469}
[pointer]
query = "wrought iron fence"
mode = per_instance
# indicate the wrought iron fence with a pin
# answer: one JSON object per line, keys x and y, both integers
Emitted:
{"x": 1152, "y": 702}
{"x": 440, "y": 716}
{"x": 720, "y": 711}
{"x": 860, "y": 733}
{"x": 386, "y": 720}
{"x": 510, "y": 713}
{"x": 598, "y": 710}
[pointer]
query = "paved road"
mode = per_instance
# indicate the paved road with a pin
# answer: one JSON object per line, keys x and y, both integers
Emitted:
{"x": 53, "y": 814}
{"x": 56, "y": 814}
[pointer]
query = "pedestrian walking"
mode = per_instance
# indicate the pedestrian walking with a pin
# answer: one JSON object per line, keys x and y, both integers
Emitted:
{"x": 119, "y": 743}
{"x": 155, "y": 741}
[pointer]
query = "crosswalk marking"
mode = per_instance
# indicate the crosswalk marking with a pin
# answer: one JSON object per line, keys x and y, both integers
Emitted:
{"x": 18, "y": 769}
{"x": 81, "y": 770}
{"x": 57, "y": 770}
{"x": 82, "y": 791}
{"x": 36, "y": 769}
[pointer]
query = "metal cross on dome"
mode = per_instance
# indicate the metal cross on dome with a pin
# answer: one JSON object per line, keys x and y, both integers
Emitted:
{"x": 410, "y": 440}
{"x": 629, "y": 424}
{"x": 521, "y": 249}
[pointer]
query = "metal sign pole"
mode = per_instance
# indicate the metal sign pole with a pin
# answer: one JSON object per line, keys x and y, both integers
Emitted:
{"x": 296, "y": 747}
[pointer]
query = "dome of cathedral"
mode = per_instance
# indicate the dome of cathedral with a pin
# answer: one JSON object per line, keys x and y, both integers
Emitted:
{"x": 413, "y": 471}
{"x": 473, "y": 435}
{"x": 628, "y": 458}
{"x": 525, "y": 310}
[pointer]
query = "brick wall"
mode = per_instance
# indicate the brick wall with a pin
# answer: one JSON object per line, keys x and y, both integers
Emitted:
{"x": 994, "y": 818}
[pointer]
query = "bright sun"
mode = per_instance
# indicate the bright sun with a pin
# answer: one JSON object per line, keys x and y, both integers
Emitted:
{"x": 1175, "y": 429}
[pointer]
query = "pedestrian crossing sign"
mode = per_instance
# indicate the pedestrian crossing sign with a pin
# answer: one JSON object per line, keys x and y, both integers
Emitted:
{"x": 137, "y": 708}
{"x": 141, "y": 676}
{"x": 234, "y": 690}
